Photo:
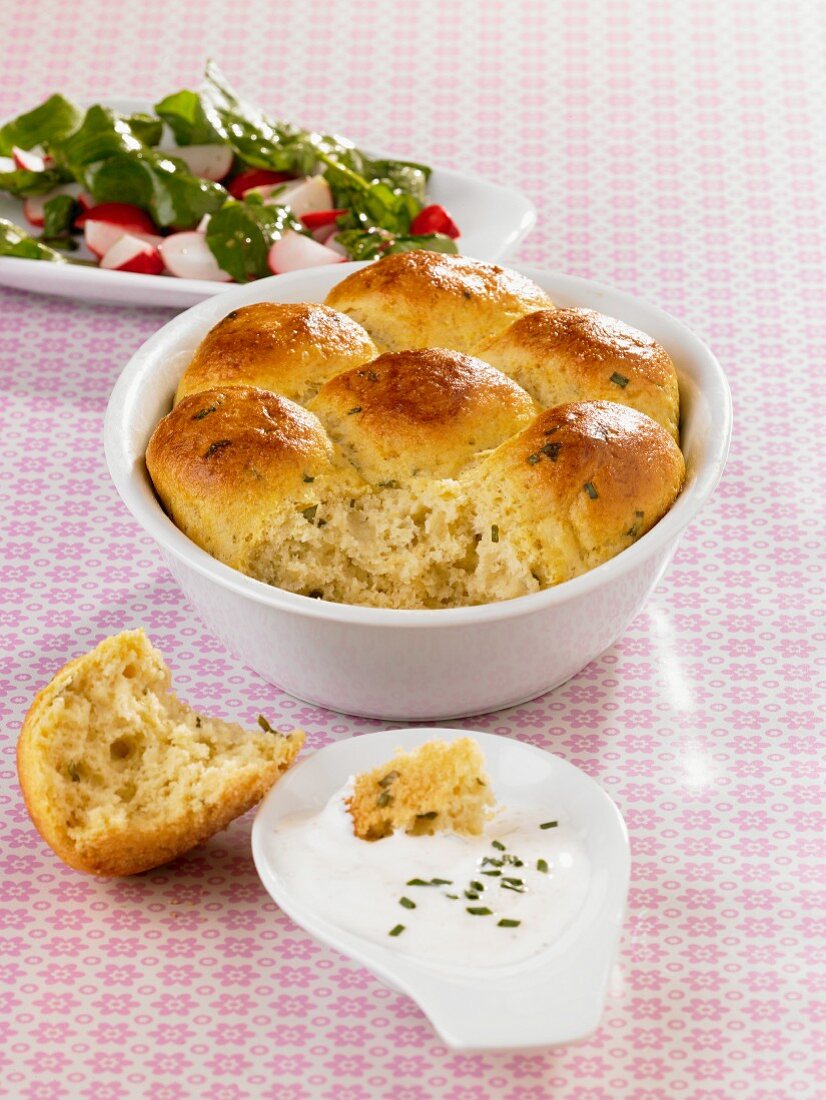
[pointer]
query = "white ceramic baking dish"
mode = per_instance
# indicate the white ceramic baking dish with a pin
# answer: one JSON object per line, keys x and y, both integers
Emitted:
{"x": 415, "y": 665}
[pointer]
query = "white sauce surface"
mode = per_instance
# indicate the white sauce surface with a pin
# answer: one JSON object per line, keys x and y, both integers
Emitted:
{"x": 356, "y": 884}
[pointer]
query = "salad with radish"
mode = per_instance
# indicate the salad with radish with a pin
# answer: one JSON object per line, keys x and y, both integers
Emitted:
{"x": 206, "y": 187}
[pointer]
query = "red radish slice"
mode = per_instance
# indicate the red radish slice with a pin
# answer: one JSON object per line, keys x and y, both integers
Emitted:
{"x": 276, "y": 191}
{"x": 315, "y": 219}
{"x": 295, "y": 251}
{"x": 31, "y": 160}
{"x": 210, "y": 162}
{"x": 323, "y": 235}
{"x": 7, "y": 164}
{"x": 255, "y": 177}
{"x": 100, "y": 236}
{"x": 86, "y": 201}
{"x": 434, "y": 219}
{"x": 131, "y": 219}
{"x": 333, "y": 245}
{"x": 33, "y": 207}
{"x": 310, "y": 196}
{"x": 187, "y": 255}
{"x": 133, "y": 254}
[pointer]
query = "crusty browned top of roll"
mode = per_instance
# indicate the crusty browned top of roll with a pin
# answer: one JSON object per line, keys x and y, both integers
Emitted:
{"x": 421, "y": 413}
{"x": 430, "y": 299}
{"x": 565, "y": 355}
{"x": 289, "y": 348}
{"x": 226, "y": 462}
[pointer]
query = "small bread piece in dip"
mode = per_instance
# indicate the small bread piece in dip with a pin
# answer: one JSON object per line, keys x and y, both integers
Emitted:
{"x": 439, "y": 787}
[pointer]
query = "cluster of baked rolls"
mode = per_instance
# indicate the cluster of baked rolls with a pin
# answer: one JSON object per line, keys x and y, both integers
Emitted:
{"x": 437, "y": 434}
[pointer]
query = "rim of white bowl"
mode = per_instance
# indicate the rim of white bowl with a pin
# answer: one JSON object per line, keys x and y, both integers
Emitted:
{"x": 146, "y": 509}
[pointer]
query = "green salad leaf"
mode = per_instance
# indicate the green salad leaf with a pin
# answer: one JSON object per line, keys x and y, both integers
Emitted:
{"x": 58, "y": 216}
{"x": 185, "y": 117}
{"x": 15, "y": 241}
{"x": 371, "y": 201}
{"x": 146, "y": 128}
{"x": 241, "y": 233}
{"x": 369, "y": 244}
{"x": 23, "y": 184}
{"x": 51, "y": 121}
{"x": 108, "y": 158}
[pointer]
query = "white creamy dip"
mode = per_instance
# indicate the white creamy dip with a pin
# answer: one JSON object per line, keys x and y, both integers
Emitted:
{"x": 359, "y": 885}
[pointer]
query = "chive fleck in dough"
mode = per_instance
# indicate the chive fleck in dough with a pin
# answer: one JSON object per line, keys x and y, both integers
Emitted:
{"x": 441, "y": 786}
{"x": 119, "y": 775}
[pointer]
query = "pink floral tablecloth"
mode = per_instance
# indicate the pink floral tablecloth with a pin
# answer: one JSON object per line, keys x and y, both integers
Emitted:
{"x": 673, "y": 149}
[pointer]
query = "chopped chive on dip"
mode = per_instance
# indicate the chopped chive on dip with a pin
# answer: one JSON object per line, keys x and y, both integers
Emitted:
{"x": 441, "y": 882}
{"x": 492, "y": 861}
{"x": 477, "y": 885}
{"x": 498, "y": 844}
{"x": 407, "y": 903}
{"x": 397, "y": 931}
{"x": 479, "y": 911}
{"x": 471, "y": 895}
{"x": 549, "y": 825}
{"x": 542, "y": 865}
{"x": 494, "y": 533}
{"x": 490, "y": 872}
{"x": 619, "y": 380}
{"x": 506, "y": 922}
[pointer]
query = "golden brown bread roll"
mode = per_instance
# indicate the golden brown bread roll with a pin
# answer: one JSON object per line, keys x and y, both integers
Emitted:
{"x": 565, "y": 355}
{"x": 406, "y": 481}
{"x": 230, "y": 465}
{"x": 291, "y": 349}
{"x": 420, "y": 413}
{"x": 430, "y": 299}
{"x": 119, "y": 775}
{"x": 582, "y": 483}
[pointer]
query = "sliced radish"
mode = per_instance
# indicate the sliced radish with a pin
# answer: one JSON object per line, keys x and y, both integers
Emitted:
{"x": 100, "y": 236}
{"x": 295, "y": 251}
{"x": 275, "y": 191}
{"x": 7, "y": 164}
{"x": 187, "y": 255}
{"x": 318, "y": 219}
{"x": 210, "y": 162}
{"x": 332, "y": 244}
{"x": 31, "y": 160}
{"x": 323, "y": 235}
{"x": 33, "y": 207}
{"x": 133, "y": 254}
{"x": 434, "y": 219}
{"x": 310, "y": 196}
{"x": 255, "y": 177}
{"x": 130, "y": 218}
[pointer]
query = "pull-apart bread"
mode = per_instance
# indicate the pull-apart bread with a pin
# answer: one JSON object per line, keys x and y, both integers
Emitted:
{"x": 495, "y": 447}
{"x": 120, "y": 776}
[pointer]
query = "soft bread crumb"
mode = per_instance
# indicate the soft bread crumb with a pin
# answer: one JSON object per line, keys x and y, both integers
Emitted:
{"x": 440, "y": 786}
{"x": 119, "y": 775}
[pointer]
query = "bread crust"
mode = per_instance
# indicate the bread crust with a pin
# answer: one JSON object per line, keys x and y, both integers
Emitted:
{"x": 288, "y": 348}
{"x": 142, "y": 845}
{"x": 431, "y": 299}
{"x": 225, "y": 461}
{"x": 567, "y": 355}
{"x": 421, "y": 413}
